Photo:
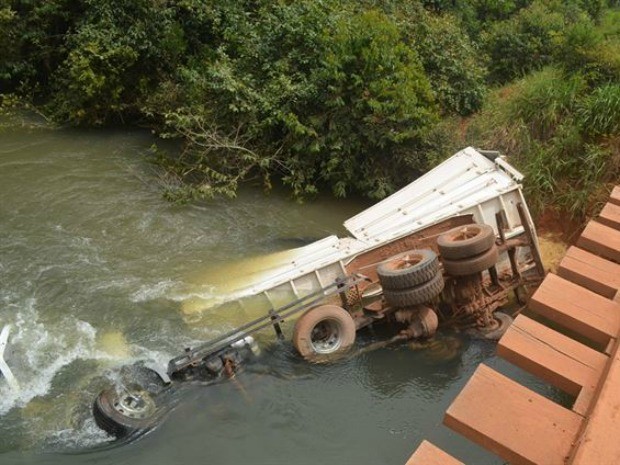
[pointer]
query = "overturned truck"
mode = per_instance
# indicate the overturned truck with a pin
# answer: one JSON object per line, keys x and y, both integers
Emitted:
{"x": 446, "y": 250}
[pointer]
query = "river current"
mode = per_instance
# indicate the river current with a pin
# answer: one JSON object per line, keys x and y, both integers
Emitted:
{"x": 97, "y": 270}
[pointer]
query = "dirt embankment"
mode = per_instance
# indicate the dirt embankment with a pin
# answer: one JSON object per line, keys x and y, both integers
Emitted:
{"x": 555, "y": 234}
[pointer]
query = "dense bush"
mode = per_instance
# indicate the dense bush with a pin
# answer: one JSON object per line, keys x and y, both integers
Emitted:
{"x": 523, "y": 43}
{"x": 547, "y": 32}
{"x": 7, "y": 44}
{"x": 319, "y": 99}
{"x": 591, "y": 51}
{"x": 476, "y": 14}
{"x": 114, "y": 60}
{"x": 32, "y": 36}
{"x": 543, "y": 100}
{"x": 451, "y": 60}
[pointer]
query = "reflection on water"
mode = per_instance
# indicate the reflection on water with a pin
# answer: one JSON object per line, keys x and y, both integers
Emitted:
{"x": 441, "y": 349}
{"x": 97, "y": 271}
{"x": 432, "y": 367}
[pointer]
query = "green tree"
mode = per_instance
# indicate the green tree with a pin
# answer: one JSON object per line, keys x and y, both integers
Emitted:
{"x": 587, "y": 50}
{"x": 32, "y": 36}
{"x": 454, "y": 64}
{"x": 116, "y": 56}
{"x": 523, "y": 43}
{"x": 314, "y": 94}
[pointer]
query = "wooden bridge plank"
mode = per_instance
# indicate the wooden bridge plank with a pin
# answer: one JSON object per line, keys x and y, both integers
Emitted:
{"x": 577, "y": 309}
{"x": 598, "y": 443}
{"x": 590, "y": 271}
{"x": 429, "y": 454}
{"x": 554, "y": 357}
{"x": 601, "y": 240}
{"x": 512, "y": 421}
{"x": 610, "y": 216}
{"x": 615, "y": 196}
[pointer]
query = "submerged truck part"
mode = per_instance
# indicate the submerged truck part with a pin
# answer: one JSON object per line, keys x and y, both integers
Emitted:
{"x": 389, "y": 265}
{"x": 4, "y": 367}
{"x": 138, "y": 404}
{"x": 125, "y": 411}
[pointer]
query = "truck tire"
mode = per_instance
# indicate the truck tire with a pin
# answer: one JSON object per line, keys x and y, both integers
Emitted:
{"x": 131, "y": 412}
{"x": 408, "y": 269}
{"x": 465, "y": 241}
{"x": 416, "y": 295}
{"x": 323, "y": 331}
{"x": 472, "y": 265}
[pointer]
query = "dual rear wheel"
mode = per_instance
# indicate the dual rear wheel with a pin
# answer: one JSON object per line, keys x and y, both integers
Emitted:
{"x": 411, "y": 278}
{"x": 468, "y": 250}
{"x": 408, "y": 279}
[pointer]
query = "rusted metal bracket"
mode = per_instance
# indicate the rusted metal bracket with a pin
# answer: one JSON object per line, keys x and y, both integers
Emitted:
{"x": 530, "y": 235}
{"x": 275, "y": 318}
{"x": 510, "y": 245}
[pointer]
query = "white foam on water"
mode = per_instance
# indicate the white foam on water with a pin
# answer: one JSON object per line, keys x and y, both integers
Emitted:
{"x": 175, "y": 291}
{"x": 43, "y": 344}
{"x": 205, "y": 293}
{"x": 120, "y": 283}
{"x": 88, "y": 434}
{"x": 38, "y": 354}
{"x": 155, "y": 291}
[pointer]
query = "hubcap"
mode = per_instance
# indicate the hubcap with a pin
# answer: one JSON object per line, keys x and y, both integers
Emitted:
{"x": 465, "y": 233}
{"x": 325, "y": 337}
{"x": 135, "y": 404}
{"x": 407, "y": 262}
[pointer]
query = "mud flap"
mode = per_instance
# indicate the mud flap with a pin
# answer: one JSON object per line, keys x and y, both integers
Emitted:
{"x": 4, "y": 368}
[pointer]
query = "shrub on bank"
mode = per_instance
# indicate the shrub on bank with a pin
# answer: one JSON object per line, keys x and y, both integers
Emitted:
{"x": 348, "y": 96}
{"x": 335, "y": 108}
{"x": 453, "y": 62}
{"x": 561, "y": 132}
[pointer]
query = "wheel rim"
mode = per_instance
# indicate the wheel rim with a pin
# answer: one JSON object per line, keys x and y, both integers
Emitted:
{"x": 134, "y": 404}
{"x": 465, "y": 234}
{"x": 405, "y": 262}
{"x": 326, "y": 337}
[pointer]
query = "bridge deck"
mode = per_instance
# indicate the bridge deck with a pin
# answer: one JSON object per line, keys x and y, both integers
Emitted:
{"x": 591, "y": 271}
{"x": 429, "y": 454}
{"x": 523, "y": 427}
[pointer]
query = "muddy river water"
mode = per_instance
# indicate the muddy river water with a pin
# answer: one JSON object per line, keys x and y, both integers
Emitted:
{"x": 98, "y": 270}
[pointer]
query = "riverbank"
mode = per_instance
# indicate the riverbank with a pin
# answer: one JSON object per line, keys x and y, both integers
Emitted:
{"x": 343, "y": 97}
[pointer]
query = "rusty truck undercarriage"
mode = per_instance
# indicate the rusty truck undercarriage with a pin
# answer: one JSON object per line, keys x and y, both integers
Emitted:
{"x": 446, "y": 251}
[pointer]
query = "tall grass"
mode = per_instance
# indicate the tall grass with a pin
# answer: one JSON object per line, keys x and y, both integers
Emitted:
{"x": 599, "y": 113}
{"x": 543, "y": 100}
{"x": 564, "y": 136}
